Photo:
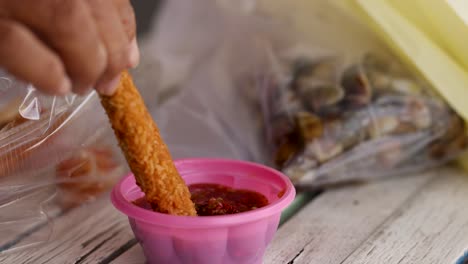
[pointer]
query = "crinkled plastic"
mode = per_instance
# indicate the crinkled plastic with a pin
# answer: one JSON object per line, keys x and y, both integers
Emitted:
{"x": 207, "y": 60}
{"x": 56, "y": 153}
{"x": 310, "y": 91}
{"x": 332, "y": 122}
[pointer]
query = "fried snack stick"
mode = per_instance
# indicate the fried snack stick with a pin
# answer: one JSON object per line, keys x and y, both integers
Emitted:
{"x": 146, "y": 153}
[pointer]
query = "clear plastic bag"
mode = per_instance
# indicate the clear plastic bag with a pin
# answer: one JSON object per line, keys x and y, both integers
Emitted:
{"x": 361, "y": 114}
{"x": 332, "y": 122}
{"x": 206, "y": 63}
{"x": 56, "y": 153}
{"x": 353, "y": 111}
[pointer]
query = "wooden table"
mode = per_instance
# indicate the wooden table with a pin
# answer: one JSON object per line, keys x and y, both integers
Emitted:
{"x": 412, "y": 219}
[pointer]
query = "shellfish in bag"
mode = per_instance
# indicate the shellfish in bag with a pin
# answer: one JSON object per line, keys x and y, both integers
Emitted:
{"x": 341, "y": 107}
{"x": 300, "y": 86}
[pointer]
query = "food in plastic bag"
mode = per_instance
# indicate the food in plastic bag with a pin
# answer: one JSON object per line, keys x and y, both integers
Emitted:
{"x": 333, "y": 121}
{"x": 86, "y": 174}
{"x": 336, "y": 105}
{"x": 55, "y": 153}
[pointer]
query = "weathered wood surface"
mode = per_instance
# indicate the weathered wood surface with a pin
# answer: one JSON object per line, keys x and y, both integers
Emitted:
{"x": 91, "y": 234}
{"x": 431, "y": 227}
{"x": 336, "y": 223}
{"x": 132, "y": 256}
{"x": 26, "y": 214}
{"x": 418, "y": 219}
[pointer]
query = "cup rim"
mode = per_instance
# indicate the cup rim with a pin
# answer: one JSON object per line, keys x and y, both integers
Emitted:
{"x": 145, "y": 215}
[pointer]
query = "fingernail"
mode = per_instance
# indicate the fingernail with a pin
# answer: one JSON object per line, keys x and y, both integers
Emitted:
{"x": 108, "y": 88}
{"x": 134, "y": 54}
{"x": 65, "y": 86}
{"x": 80, "y": 89}
{"x": 102, "y": 53}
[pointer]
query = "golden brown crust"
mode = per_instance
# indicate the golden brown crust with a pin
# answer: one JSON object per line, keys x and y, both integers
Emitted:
{"x": 146, "y": 153}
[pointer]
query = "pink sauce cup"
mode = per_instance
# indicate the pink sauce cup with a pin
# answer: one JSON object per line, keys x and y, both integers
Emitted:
{"x": 238, "y": 238}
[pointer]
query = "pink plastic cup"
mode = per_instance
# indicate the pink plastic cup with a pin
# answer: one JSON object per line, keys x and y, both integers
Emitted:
{"x": 239, "y": 238}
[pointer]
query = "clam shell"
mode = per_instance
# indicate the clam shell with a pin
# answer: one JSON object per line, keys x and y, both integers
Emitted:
{"x": 310, "y": 126}
{"x": 285, "y": 151}
{"x": 354, "y": 130}
{"x": 320, "y": 96}
{"x": 289, "y": 102}
{"x": 357, "y": 89}
{"x": 280, "y": 126}
{"x": 325, "y": 69}
{"x": 348, "y": 132}
{"x": 317, "y": 84}
{"x": 383, "y": 125}
{"x": 456, "y": 126}
{"x": 388, "y": 76}
{"x": 405, "y": 86}
{"x": 390, "y": 153}
{"x": 379, "y": 81}
{"x": 323, "y": 149}
{"x": 300, "y": 167}
{"x": 284, "y": 136}
{"x": 454, "y": 139}
{"x": 418, "y": 112}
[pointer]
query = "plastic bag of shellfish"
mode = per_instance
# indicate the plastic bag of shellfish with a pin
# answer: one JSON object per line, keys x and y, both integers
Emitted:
{"x": 331, "y": 121}
{"x": 56, "y": 153}
{"x": 339, "y": 106}
{"x": 298, "y": 85}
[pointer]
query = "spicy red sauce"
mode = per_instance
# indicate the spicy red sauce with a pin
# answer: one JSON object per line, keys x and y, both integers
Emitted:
{"x": 216, "y": 199}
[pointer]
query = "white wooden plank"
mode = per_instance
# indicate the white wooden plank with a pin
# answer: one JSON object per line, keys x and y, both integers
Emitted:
{"x": 85, "y": 235}
{"x": 336, "y": 223}
{"x": 132, "y": 256}
{"x": 432, "y": 228}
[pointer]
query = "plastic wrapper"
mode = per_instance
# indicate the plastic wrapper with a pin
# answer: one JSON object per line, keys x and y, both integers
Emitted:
{"x": 299, "y": 85}
{"x": 431, "y": 41}
{"x": 56, "y": 153}
{"x": 206, "y": 62}
{"x": 354, "y": 110}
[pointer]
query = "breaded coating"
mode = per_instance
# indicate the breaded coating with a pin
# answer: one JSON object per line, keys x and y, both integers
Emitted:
{"x": 146, "y": 153}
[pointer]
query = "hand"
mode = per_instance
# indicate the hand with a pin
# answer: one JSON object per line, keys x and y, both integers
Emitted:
{"x": 68, "y": 45}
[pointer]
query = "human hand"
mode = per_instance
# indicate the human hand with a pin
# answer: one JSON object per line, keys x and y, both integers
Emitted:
{"x": 68, "y": 45}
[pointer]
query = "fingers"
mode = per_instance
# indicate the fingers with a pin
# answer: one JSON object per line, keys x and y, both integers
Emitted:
{"x": 69, "y": 28}
{"x": 115, "y": 40}
{"x": 122, "y": 57}
{"x": 127, "y": 17}
{"x": 91, "y": 40}
{"x": 134, "y": 54}
{"x": 25, "y": 56}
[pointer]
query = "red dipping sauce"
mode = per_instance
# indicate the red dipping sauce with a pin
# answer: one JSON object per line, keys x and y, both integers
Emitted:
{"x": 216, "y": 199}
